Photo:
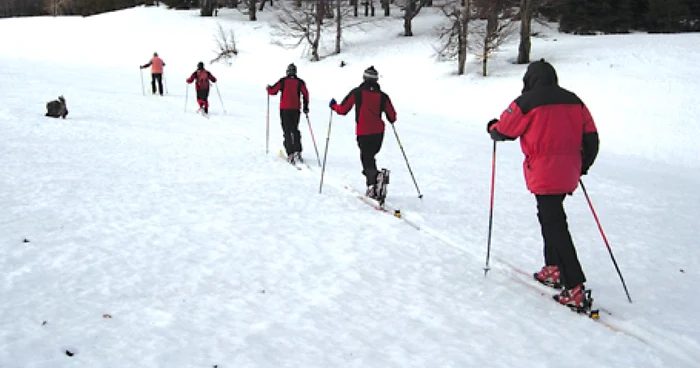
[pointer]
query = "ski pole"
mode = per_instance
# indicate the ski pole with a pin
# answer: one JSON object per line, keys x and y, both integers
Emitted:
{"x": 165, "y": 84}
{"x": 313, "y": 140}
{"x": 325, "y": 154}
{"x": 267, "y": 127}
{"x": 493, "y": 182}
{"x": 406, "y": 159}
{"x": 605, "y": 239}
{"x": 143, "y": 89}
{"x": 220, "y": 99}
{"x": 187, "y": 92}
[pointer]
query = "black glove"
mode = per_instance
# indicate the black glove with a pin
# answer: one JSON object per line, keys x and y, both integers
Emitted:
{"x": 306, "y": 109}
{"x": 489, "y": 124}
{"x": 584, "y": 169}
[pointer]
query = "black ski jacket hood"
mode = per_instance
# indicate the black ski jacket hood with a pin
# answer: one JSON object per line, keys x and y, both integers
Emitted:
{"x": 539, "y": 74}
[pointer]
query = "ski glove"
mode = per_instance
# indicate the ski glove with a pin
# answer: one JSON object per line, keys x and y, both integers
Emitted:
{"x": 306, "y": 109}
{"x": 584, "y": 169}
{"x": 332, "y": 103}
{"x": 490, "y": 124}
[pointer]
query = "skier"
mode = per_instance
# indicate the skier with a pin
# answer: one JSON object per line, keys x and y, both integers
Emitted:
{"x": 201, "y": 77}
{"x": 291, "y": 87}
{"x": 560, "y": 142}
{"x": 156, "y": 65}
{"x": 370, "y": 102}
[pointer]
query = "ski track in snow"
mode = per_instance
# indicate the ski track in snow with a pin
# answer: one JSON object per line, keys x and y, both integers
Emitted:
{"x": 203, "y": 250}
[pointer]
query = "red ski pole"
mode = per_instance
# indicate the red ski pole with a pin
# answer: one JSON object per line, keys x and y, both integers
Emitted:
{"x": 605, "y": 239}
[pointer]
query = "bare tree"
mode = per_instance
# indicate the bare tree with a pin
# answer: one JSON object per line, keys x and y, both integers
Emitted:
{"x": 498, "y": 28}
{"x": 410, "y": 10}
{"x": 525, "y": 31}
{"x": 304, "y": 25}
{"x": 225, "y": 45}
{"x": 252, "y": 15}
{"x": 385, "y": 6}
{"x": 455, "y": 35}
{"x": 55, "y": 7}
{"x": 206, "y": 8}
{"x": 338, "y": 26}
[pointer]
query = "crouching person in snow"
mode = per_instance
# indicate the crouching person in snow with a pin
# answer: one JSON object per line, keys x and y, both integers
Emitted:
{"x": 57, "y": 108}
{"x": 201, "y": 77}
{"x": 291, "y": 87}
{"x": 560, "y": 142}
{"x": 369, "y": 102}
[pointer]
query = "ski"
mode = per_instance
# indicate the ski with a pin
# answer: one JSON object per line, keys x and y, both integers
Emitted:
{"x": 523, "y": 276}
{"x": 382, "y": 207}
{"x": 297, "y": 165}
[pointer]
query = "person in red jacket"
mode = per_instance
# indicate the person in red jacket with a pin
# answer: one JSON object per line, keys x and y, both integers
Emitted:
{"x": 291, "y": 87}
{"x": 369, "y": 102}
{"x": 560, "y": 142}
{"x": 156, "y": 65}
{"x": 201, "y": 77}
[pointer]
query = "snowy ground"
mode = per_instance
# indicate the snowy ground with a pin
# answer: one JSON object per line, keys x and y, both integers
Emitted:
{"x": 158, "y": 238}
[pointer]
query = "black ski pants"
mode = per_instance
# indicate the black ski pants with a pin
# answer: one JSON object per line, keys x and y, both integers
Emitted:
{"x": 559, "y": 248}
{"x": 157, "y": 78}
{"x": 290, "y": 128}
{"x": 369, "y": 147}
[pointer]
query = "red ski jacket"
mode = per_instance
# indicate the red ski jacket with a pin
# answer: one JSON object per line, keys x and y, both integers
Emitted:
{"x": 291, "y": 88}
{"x": 369, "y": 102}
{"x": 557, "y": 133}
{"x": 201, "y": 78}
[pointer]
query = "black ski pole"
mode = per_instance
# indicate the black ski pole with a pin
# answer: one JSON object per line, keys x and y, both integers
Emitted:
{"x": 493, "y": 182}
{"x": 313, "y": 139}
{"x": 220, "y": 99}
{"x": 406, "y": 159}
{"x": 605, "y": 239}
{"x": 325, "y": 153}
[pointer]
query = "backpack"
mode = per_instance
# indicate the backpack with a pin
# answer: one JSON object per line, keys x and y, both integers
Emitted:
{"x": 203, "y": 79}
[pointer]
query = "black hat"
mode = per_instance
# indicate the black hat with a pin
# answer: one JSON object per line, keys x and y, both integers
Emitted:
{"x": 539, "y": 74}
{"x": 200, "y": 65}
{"x": 155, "y": 54}
{"x": 291, "y": 70}
{"x": 370, "y": 75}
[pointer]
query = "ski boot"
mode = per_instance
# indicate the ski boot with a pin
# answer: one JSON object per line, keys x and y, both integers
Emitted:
{"x": 382, "y": 181}
{"x": 371, "y": 192}
{"x": 549, "y": 276}
{"x": 578, "y": 299}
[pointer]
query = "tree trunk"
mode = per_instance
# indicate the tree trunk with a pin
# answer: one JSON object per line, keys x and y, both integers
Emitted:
{"x": 491, "y": 27}
{"x": 207, "y": 8}
{"x": 525, "y": 31}
{"x": 408, "y": 17}
{"x": 385, "y": 6}
{"x": 338, "y": 26}
{"x": 319, "y": 20}
{"x": 252, "y": 15}
{"x": 463, "y": 26}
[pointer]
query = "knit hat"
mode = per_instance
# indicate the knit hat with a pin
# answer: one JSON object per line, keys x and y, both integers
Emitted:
{"x": 200, "y": 65}
{"x": 370, "y": 75}
{"x": 291, "y": 70}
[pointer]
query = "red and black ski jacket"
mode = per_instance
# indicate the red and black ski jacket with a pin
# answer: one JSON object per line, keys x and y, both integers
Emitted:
{"x": 201, "y": 77}
{"x": 370, "y": 102}
{"x": 291, "y": 87}
{"x": 557, "y": 133}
